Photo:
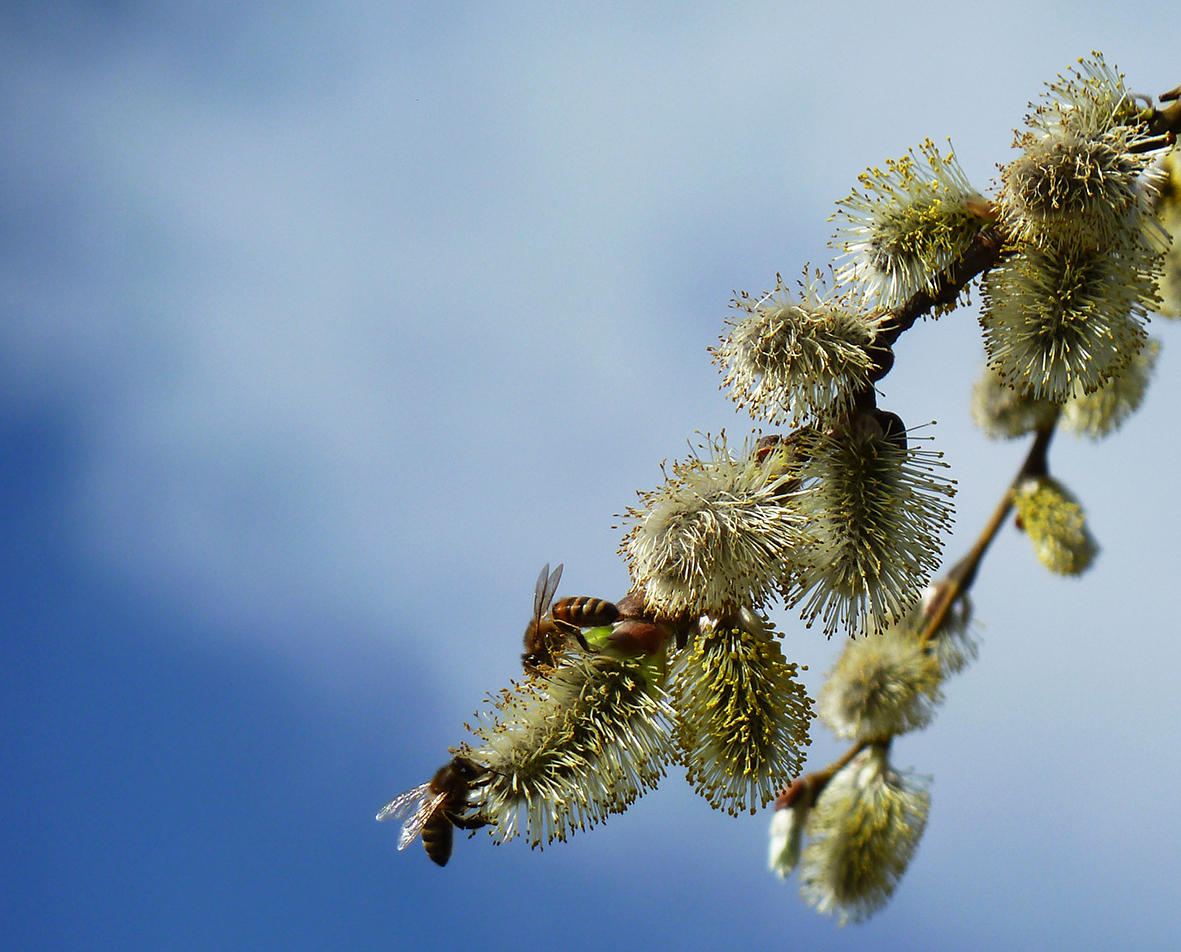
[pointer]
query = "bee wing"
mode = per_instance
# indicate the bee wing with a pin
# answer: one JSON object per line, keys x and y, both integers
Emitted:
{"x": 539, "y": 591}
{"x": 413, "y": 826}
{"x": 401, "y": 803}
{"x": 543, "y": 593}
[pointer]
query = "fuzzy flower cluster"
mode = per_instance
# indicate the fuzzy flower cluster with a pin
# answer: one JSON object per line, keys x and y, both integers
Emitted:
{"x": 885, "y": 683}
{"x": 797, "y": 357}
{"x": 862, "y": 833}
{"x": 1005, "y": 413}
{"x": 911, "y": 224}
{"x": 1060, "y": 322}
{"x": 717, "y": 536}
{"x": 1066, "y": 311}
{"x": 874, "y": 511}
{"x": 1086, "y": 175}
{"x": 1055, "y": 524}
{"x": 570, "y": 746}
{"x": 742, "y": 717}
{"x": 1098, "y": 414}
{"x": 862, "y": 820}
{"x": 889, "y": 682}
{"x": 1167, "y": 212}
{"x": 845, "y": 523}
{"x": 1076, "y": 189}
{"x": 580, "y": 740}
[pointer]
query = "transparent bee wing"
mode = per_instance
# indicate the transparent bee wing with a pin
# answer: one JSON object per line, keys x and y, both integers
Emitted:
{"x": 413, "y": 826}
{"x": 401, "y": 803}
{"x": 547, "y": 585}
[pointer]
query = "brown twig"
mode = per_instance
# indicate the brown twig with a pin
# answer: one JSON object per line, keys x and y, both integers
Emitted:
{"x": 810, "y": 785}
{"x": 960, "y": 576}
{"x": 984, "y": 252}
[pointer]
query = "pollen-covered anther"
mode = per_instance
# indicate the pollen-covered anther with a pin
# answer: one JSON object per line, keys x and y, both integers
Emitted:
{"x": 883, "y": 684}
{"x": 798, "y": 357}
{"x": 742, "y": 717}
{"x": 875, "y": 513}
{"x": 1059, "y": 323}
{"x": 568, "y": 747}
{"x": 911, "y": 224}
{"x": 1055, "y": 524}
{"x": 717, "y": 535}
{"x": 862, "y": 834}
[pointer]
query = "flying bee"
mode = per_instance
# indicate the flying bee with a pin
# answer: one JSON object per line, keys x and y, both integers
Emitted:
{"x": 546, "y": 636}
{"x": 438, "y": 807}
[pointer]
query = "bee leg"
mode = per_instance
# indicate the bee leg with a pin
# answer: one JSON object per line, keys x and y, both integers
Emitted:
{"x": 565, "y": 630}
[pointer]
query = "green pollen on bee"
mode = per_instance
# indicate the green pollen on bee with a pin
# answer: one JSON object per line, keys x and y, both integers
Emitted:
{"x": 598, "y": 637}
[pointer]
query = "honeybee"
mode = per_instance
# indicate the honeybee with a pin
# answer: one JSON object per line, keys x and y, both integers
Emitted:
{"x": 545, "y": 636}
{"x": 632, "y": 606}
{"x": 438, "y": 807}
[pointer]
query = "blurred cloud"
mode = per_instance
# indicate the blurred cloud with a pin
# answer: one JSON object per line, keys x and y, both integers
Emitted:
{"x": 330, "y": 293}
{"x": 336, "y": 323}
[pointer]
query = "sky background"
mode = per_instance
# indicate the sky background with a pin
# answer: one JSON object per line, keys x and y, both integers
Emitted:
{"x": 323, "y": 328}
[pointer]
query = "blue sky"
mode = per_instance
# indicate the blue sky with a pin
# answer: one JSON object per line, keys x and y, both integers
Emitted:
{"x": 324, "y": 328}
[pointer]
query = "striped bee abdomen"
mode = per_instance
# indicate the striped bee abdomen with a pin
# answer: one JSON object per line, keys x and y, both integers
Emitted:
{"x": 585, "y": 612}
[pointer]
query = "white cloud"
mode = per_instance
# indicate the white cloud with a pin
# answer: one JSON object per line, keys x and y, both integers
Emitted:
{"x": 362, "y": 310}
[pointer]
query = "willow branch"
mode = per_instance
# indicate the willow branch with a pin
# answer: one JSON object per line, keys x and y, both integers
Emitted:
{"x": 988, "y": 246}
{"x": 982, "y": 254}
{"x": 954, "y": 585}
{"x": 961, "y": 575}
{"x": 811, "y": 785}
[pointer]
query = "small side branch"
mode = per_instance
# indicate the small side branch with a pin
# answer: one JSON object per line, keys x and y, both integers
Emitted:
{"x": 954, "y": 585}
{"x": 961, "y": 575}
